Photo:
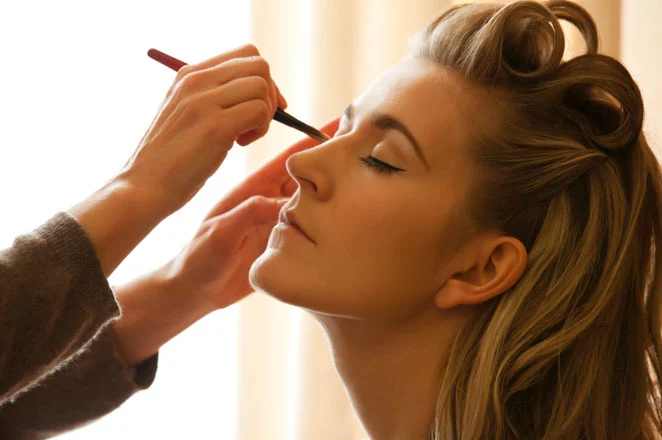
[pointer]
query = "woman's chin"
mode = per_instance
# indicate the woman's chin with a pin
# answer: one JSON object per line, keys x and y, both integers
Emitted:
{"x": 258, "y": 273}
{"x": 285, "y": 280}
{"x": 270, "y": 276}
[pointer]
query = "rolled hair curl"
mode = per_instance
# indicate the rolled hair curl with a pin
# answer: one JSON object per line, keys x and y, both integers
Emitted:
{"x": 573, "y": 349}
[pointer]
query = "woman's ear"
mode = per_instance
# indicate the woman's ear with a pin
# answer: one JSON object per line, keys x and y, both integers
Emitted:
{"x": 496, "y": 266}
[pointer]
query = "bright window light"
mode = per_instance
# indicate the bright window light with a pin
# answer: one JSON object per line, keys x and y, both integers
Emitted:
{"x": 78, "y": 93}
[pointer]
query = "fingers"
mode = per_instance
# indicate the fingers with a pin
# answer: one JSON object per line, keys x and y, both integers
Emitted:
{"x": 331, "y": 126}
{"x": 264, "y": 211}
{"x": 273, "y": 96}
{"x": 290, "y": 187}
{"x": 224, "y": 69}
{"x": 237, "y": 91}
{"x": 251, "y": 213}
{"x": 228, "y": 71}
{"x": 252, "y": 136}
{"x": 243, "y": 67}
{"x": 245, "y": 50}
{"x": 241, "y": 109}
{"x": 227, "y": 74}
{"x": 270, "y": 178}
{"x": 224, "y": 126}
{"x": 282, "y": 103}
{"x": 243, "y": 117}
{"x": 210, "y": 105}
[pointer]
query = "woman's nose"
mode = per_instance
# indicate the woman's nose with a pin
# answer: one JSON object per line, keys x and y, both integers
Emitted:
{"x": 309, "y": 168}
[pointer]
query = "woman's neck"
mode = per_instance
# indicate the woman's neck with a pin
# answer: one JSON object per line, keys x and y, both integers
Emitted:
{"x": 392, "y": 373}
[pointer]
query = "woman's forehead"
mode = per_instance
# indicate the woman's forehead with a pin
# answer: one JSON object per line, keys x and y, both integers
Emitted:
{"x": 430, "y": 100}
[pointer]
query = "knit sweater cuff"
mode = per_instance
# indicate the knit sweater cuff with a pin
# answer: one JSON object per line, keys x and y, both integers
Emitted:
{"x": 55, "y": 298}
{"x": 68, "y": 242}
{"x": 90, "y": 386}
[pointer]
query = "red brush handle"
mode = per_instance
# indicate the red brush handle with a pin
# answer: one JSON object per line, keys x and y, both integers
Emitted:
{"x": 165, "y": 59}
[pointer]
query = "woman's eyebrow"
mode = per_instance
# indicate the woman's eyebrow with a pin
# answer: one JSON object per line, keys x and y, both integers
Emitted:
{"x": 386, "y": 122}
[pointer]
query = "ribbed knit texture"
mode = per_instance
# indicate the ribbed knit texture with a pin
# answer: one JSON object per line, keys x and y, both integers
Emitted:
{"x": 55, "y": 305}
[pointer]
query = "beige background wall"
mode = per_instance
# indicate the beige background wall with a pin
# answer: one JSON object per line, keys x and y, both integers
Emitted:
{"x": 641, "y": 52}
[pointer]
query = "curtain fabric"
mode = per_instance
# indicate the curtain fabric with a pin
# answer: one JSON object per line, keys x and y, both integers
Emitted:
{"x": 323, "y": 54}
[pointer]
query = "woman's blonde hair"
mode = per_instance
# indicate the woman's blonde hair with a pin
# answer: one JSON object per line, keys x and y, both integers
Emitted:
{"x": 573, "y": 350}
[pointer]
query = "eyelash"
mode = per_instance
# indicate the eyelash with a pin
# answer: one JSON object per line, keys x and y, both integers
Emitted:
{"x": 380, "y": 166}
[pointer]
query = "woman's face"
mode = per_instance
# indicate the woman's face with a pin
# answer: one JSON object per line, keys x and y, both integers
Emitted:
{"x": 383, "y": 243}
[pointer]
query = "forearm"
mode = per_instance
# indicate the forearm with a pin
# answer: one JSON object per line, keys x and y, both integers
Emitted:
{"x": 154, "y": 310}
{"x": 117, "y": 217}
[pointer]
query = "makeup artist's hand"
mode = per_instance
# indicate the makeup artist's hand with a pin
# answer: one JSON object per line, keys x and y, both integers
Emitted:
{"x": 225, "y": 99}
{"x": 213, "y": 267}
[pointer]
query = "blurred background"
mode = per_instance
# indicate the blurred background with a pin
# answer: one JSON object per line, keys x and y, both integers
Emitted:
{"x": 78, "y": 92}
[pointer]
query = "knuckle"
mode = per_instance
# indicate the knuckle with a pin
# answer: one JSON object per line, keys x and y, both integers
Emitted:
{"x": 262, "y": 86}
{"x": 261, "y": 66}
{"x": 219, "y": 231}
{"x": 257, "y": 202}
{"x": 214, "y": 230}
{"x": 190, "y": 81}
{"x": 185, "y": 70}
{"x": 262, "y": 111}
{"x": 250, "y": 48}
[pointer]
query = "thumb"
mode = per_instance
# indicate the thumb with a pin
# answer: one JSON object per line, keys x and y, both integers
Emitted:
{"x": 253, "y": 212}
{"x": 289, "y": 187}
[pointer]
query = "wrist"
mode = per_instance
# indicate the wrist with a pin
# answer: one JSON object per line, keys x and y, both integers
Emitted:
{"x": 158, "y": 195}
{"x": 116, "y": 218}
{"x": 155, "y": 309}
{"x": 170, "y": 282}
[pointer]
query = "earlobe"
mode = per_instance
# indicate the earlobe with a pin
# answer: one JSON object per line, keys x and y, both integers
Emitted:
{"x": 489, "y": 276}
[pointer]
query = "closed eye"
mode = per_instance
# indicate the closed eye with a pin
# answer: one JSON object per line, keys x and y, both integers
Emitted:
{"x": 381, "y": 167}
{"x": 373, "y": 162}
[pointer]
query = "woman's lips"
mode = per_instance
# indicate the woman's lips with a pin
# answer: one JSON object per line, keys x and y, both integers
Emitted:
{"x": 298, "y": 230}
{"x": 289, "y": 218}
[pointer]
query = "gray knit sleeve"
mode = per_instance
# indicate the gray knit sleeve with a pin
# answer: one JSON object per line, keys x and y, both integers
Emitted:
{"x": 55, "y": 306}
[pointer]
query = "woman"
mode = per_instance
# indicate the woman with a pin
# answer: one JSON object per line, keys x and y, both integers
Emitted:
{"x": 481, "y": 238}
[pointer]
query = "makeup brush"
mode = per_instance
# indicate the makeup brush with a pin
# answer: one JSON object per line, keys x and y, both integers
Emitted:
{"x": 280, "y": 115}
